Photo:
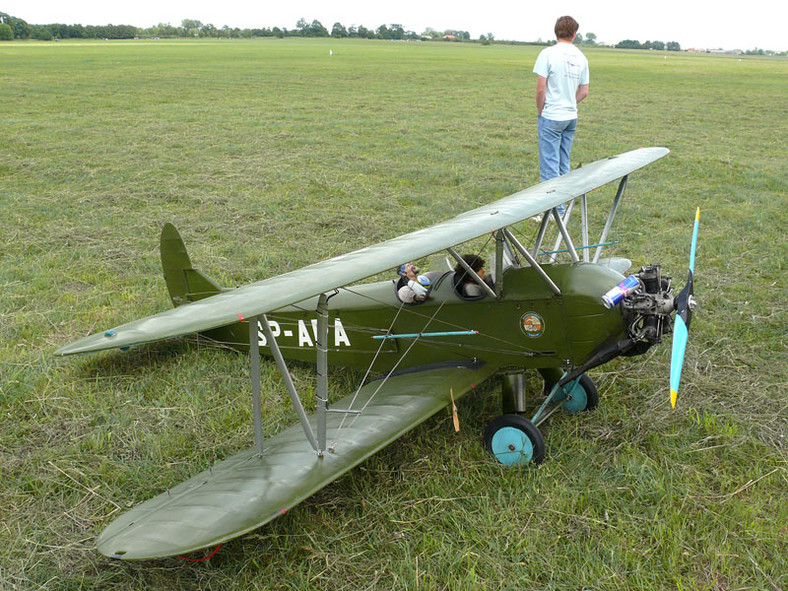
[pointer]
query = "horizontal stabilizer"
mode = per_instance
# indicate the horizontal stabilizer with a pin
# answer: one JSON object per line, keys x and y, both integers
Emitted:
{"x": 247, "y": 490}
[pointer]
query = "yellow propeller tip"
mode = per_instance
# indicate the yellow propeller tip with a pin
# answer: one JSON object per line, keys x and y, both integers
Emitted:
{"x": 697, "y": 215}
{"x": 673, "y": 396}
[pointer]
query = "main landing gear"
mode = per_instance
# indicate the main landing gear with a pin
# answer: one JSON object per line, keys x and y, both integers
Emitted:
{"x": 516, "y": 441}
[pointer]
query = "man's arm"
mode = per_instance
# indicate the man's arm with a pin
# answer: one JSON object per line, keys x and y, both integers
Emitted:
{"x": 582, "y": 92}
{"x": 541, "y": 91}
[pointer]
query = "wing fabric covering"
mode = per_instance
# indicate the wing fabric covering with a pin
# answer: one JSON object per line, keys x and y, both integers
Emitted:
{"x": 274, "y": 293}
{"x": 247, "y": 491}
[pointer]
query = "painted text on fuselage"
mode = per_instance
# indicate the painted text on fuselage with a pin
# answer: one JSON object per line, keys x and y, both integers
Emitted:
{"x": 306, "y": 334}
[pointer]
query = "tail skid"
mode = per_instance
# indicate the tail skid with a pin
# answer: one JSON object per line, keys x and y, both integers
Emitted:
{"x": 184, "y": 282}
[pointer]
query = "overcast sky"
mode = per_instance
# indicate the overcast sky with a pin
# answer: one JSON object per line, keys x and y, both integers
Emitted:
{"x": 693, "y": 23}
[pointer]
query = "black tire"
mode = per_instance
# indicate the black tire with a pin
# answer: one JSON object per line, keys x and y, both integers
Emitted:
{"x": 513, "y": 440}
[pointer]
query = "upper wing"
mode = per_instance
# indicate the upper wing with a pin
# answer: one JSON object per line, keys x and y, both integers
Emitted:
{"x": 245, "y": 491}
{"x": 274, "y": 293}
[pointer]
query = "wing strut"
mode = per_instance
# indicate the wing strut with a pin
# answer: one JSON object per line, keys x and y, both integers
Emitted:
{"x": 619, "y": 194}
{"x": 540, "y": 235}
{"x": 321, "y": 345}
{"x": 532, "y": 261}
{"x": 280, "y": 362}
{"x": 254, "y": 358}
{"x": 565, "y": 218}
{"x": 584, "y": 225}
{"x": 500, "y": 243}
{"x": 567, "y": 239}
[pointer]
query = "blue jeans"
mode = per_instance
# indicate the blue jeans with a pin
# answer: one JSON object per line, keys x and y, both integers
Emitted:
{"x": 555, "y": 144}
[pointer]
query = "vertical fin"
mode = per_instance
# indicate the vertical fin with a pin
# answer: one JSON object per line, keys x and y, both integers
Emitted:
{"x": 185, "y": 283}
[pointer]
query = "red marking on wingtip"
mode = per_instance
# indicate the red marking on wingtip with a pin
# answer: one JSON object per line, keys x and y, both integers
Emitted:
{"x": 284, "y": 510}
{"x": 473, "y": 386}
{"x": 205, "y": 559}
{"x": 241, "y": 316}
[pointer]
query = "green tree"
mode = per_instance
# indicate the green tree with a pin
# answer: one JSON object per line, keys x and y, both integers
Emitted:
{"x": 628, "y": 44}
{"x": 189, "y": 23}
{"x": 316, "y": 29}
{"x": 6, "y": 32}
{"x": 396, "y": 32}
{"x": 383, "y": 32}
{"x": 338, "y": 30}
{"x": 590, "y": 39}
{"x": 578, "y": 39}
{"x": 21, "y": 30}
{"x": 42, "y": 33}
{"x": 673, "y": 46}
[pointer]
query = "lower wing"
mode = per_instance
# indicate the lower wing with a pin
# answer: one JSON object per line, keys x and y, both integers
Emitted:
{"x": 247, "y": 490}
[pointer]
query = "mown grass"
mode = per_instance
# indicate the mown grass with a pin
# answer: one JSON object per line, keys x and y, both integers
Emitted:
{"x": 269, "y": 155}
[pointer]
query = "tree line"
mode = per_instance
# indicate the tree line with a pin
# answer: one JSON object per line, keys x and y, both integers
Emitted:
{"x": 17, "y": 28}
{"x": 658, "y": 45}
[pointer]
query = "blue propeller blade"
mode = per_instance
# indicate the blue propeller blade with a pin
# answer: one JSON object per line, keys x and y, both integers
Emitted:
{"x": 684, "y": 306}
{"x": 680, "y": 336}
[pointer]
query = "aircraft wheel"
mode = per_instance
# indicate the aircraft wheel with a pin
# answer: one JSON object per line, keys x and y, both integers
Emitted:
{"x": 583, "y": 396}
{"x": 514, "y": 441}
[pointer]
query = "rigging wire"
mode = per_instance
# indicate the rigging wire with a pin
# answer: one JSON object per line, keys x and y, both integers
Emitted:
{"x": 402, "y": 357}
{"x": 393, "y": 369}
{"x": 364, "y": 379}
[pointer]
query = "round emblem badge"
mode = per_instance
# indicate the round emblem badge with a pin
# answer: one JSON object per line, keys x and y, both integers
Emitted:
{"x": 532, "y": 324}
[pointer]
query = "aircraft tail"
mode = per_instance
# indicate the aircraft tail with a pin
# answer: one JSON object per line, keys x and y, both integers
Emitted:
{"x": 184, "y": 282}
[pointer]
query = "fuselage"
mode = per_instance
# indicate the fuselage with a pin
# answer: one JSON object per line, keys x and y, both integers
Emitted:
{"x": 528, "y": 327}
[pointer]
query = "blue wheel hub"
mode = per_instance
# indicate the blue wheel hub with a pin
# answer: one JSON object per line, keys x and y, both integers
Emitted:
{"x": 512, "y": 447}
{"x": 577, "y": 399}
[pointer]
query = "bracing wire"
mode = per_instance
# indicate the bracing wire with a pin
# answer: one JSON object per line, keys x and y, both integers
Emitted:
{"x": 399, "y": 361}
{"x": 364, "y": 379}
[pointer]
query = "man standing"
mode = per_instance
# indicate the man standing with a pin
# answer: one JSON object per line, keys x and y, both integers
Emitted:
{"x": 562, "y": 82}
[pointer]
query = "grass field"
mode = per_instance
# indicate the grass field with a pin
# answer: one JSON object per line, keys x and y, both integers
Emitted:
{"x": 269, "y": 155}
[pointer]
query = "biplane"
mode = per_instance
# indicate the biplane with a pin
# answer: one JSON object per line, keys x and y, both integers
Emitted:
{"x": 558, "y": 314}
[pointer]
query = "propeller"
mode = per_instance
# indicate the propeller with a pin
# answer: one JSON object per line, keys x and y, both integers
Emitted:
{"x": 684, "y": 304}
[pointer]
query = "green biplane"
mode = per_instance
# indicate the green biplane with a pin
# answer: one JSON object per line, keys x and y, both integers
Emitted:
{"x": 536, "y": 313}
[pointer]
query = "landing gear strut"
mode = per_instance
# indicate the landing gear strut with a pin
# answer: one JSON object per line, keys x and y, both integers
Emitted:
{"x": 515, "y": 440}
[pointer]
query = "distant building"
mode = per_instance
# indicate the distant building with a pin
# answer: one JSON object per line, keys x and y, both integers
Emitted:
{"x": 717, "y": 51}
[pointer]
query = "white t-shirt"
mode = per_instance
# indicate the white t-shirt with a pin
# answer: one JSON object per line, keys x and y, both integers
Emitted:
{"x": 565, "y": 68}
